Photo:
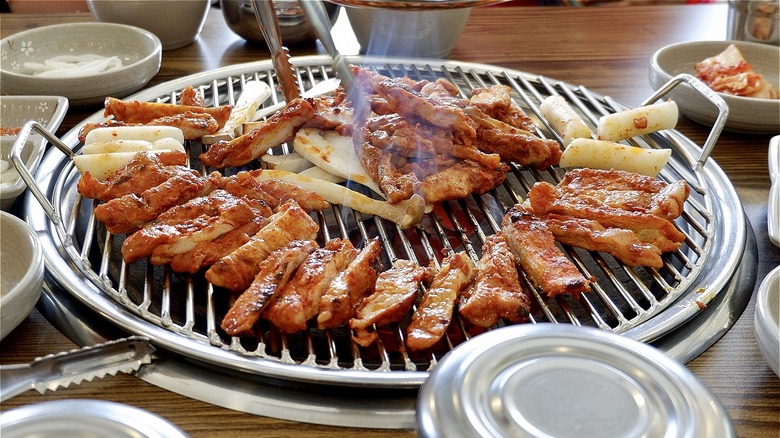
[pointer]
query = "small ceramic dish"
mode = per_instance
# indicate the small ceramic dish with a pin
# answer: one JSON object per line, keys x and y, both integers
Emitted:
{"x": 767, "y": 319}
{"x": 21, "y": 259}
{"x": 773, "y": 204}
{"x": 15, "y": 111}
{"x": 139, "y": 51}
{"x": 746, "y": 115}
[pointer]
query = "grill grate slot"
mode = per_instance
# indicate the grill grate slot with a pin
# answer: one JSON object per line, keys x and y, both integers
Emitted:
{"x": 622, "y": 297}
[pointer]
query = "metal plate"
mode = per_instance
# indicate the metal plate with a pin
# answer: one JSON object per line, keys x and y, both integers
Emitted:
{"x": 180, "y": 315}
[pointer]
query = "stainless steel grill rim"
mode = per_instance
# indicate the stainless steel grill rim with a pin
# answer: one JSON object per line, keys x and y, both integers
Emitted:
{"x": 635, "y": 302}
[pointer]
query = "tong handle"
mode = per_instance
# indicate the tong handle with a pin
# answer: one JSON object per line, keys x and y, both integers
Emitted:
{"x": 280, "y": 55}
{"x": 16, "y": 158}
{"x": 720, "y": 104}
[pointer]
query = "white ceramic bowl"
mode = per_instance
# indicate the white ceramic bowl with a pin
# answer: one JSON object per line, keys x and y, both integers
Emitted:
{"x": 21, "y": 261}
{"x": 139, "y": 50}
{"x": 176, "y": 22}
{"x": 767, "y": 319}
{"x": 15, "y": 111}
{"x": 748, "y": 115}
{"x": 407, "y": 33}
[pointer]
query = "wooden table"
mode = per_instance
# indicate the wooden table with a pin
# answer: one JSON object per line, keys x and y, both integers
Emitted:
{"x": 606, "y": 49}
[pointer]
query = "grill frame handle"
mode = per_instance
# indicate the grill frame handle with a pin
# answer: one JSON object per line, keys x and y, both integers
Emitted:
{"x": 16, "y": 158}
{"x": 709, "y": 94}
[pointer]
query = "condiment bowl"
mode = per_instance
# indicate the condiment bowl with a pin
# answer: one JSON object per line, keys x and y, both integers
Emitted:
{"x": 746, "y": 114}
{"x": 294, "y": 27}
{"x": 15, "y": 111}
{"x": 767, "y": 319}
{"x": 21, "y": 259}
{"x": 139, "y": 51}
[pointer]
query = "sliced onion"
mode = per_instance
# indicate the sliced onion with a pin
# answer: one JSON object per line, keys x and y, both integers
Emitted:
{"x": 67, "y": 66}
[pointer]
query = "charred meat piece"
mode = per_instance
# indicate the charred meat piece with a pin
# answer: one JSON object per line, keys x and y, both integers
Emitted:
{"x": 394, "y": 295}
{"x": 144, "y": 171}
{"x": 460, "y": 180}
{"x": 236, "y": 270}
{"x": 190, "y": 96}
{"x": 513, "y": 144}
{"x": 193, "y": 125}
{"x": 533, "y": 246}
{"x": 273, "y": 193}
{"x": 544, "y": 198}
{"x": 134, "y": 111}
{"x": 589, "y": 234}
{"x": 131, "y": 212}
{"x": 434, "y": 314}
{"x": 347, "y": 290}
{"x": 299, "y": 300}
{"x": 181, "y": 228}
{"x": 626, "y": 191}
{"x": 496, "y": 293}
{"x": 275, "y": 272}
{"x": 496, "y": 101}
{"x": 279, "y": 128}
{"x": 206, "y": 254}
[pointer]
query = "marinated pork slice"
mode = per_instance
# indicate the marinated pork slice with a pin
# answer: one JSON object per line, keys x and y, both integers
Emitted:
{"x": 134, "y": 111}
{"x": 544, "y": 198}
{"x": 496, "y": 293}
{"x": 279, "y": 128}
{"x": 496, "y": 101}
{"x": 626, "y": 191}
{"x": 347, "y": 290}
{"x": 461, "y": 180}
{"x": 236, "y": 270}
{"x": 533, "y": 246}
{"x": 274, "y": 193}
{"x": 144, "y": 171}
{"x": 131, "y": 212}
{"x": 434, "y": 314}
{"x": 394, "y": 295}
{"x": 207, "y": 253}
{"x": 299, "y": 300}
{"x": 275, "y": 272}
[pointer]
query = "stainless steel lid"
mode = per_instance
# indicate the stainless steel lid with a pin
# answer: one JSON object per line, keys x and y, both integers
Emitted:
{"x": 85, "y": 418}
{"x": 559, "y": 380}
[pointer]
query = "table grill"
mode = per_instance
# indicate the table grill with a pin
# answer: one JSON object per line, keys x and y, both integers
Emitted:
{"x": 181, "y": 313}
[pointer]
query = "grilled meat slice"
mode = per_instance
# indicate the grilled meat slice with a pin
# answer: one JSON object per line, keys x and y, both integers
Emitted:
{"x": 183, "y": 227}
{"x": 275, "y": 272}
{"x": 144, "y": 171}
{"x": 394, "y": 295}
{"x": 626, "y": 191}
{"x": 496, "y": 101}
{"x": 299, "y": 299}
{"x": 194, "y": 125}
{"x": 544, "y": 198}
{"x": 279, "y": 128}
{"x": 273, "y": 193}
{"x": 236, "y": 270}
{"x": 496, "y": 292}
{"x": 433, "y": 315}
{"x": 134, "y": 111}
{"x": 460, "y": 180}
{"x": 206, "y": 254}
{"x": 346, "y": 291}
{"x": 533, "y": 246}
{"x": 190, "y": 96}
{"x": 589, "y": 234}
{"x": 131, "y": 212}
{"x": 513, "y": 144}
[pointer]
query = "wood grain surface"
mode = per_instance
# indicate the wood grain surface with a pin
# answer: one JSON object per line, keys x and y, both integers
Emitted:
{"x": 607, "y": 50}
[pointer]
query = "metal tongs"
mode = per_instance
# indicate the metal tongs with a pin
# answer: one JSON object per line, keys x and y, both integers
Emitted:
{"x": 72, "y": 367}
{"x": 280, "y": 55}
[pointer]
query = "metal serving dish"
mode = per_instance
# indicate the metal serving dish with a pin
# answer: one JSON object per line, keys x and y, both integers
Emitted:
{"x": 671, "y": 307}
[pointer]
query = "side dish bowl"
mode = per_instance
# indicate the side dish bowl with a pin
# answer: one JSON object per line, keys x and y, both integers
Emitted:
{"x": 15, "y": 111}
{"x": 767, "y": 319}
{"x": 140, "y": 52}
{"x": 21, "y": 259}
{"x": 747, "y": 115}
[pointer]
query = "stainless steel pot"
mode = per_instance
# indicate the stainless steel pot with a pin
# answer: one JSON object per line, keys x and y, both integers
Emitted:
{"x": 294, "y": 26}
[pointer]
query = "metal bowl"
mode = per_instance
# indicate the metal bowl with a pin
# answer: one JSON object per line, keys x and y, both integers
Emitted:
{"x": 294, "y": 27}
